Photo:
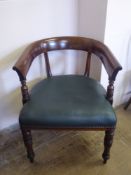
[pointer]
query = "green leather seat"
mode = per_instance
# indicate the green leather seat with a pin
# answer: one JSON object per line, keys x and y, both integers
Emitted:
{"x": 68, "y": 101}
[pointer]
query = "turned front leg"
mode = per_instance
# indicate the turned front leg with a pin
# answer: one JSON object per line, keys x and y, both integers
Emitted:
{"x": 108, "y": 140}
{"x": 28, "y": 143}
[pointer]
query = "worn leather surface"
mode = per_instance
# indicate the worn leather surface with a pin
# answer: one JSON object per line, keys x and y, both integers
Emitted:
{"x": 68, "y": 101}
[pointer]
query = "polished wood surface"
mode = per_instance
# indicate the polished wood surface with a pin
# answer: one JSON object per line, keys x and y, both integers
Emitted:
{"x": 110, "y": 91}
{"x": 88, "y": 62}
{"x": 48, "y": 69}
{"x": 61, "y": 43}
{"x": 108, "y": 140}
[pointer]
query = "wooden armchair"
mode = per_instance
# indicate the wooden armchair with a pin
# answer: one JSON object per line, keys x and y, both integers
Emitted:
{"x": 67, "y": 101}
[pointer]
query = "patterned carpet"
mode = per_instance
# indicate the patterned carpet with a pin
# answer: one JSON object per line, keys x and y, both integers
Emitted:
{"x": 67, "y": 152}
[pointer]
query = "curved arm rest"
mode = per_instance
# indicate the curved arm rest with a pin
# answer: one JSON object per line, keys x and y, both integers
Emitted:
{"x": 24, "y": 62}
{"x": 109, "y": 61}
{"x": 59, "y": 43}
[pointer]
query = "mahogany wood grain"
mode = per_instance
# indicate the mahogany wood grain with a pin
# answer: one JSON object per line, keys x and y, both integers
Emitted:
{"x": 28, "y": 143}
{"x": 61, "y": 43}
{"x": 88, "y": 62}
{"x": 48, "y": 70}
{"x": 110, "y": 91}
{"x": 24, "y": 91}
{"x": 108, "y": 140}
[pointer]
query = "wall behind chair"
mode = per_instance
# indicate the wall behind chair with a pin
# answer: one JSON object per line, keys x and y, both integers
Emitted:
{"x": 118, "y": 38}
{"x": 91, "y": 24}
{"x": 22, "y": 22}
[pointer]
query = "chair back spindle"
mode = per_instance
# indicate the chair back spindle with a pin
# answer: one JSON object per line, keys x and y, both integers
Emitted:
{"x": 88, "y": 61}
{"x": 47, "y": 64}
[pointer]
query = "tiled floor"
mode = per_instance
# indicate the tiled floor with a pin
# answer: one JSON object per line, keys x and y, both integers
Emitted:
{"x": 68, "y": 153}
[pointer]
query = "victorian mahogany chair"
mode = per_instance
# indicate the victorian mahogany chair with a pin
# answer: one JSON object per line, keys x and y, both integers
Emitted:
{"x": 67, "y": 101}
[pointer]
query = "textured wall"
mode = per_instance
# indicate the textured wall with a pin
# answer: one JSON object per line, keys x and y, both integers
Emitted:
{"x": 21, "y": 22}
{"x": 118, "y": 38}
{"x": 24, "y": 21}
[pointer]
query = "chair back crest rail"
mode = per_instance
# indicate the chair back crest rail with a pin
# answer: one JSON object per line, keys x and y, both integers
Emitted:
{"x": 65, "y": 43}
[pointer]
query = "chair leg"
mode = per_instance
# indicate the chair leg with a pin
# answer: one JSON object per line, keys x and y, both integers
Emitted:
{"x": 127, "y": 104}
{"x": 108, "y": 140}
{"x": 28, "y": 143}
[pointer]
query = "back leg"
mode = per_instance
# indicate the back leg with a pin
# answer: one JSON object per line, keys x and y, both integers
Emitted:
{"x": 28, "y": 143}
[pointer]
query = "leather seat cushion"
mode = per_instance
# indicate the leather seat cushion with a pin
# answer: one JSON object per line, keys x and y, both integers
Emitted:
{"x": 68, "y": 101}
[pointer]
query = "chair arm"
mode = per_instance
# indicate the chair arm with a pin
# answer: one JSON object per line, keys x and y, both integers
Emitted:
{"x": 111, "y": 65}
{"x": 109, "y": 61}
{"x": 24, "y": 62}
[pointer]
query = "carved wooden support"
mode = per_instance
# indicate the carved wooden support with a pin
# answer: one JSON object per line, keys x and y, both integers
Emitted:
{"x": 47, "y": 63}
{"x": 88, "y": 62}
{"x": 24, "y": 91}
{"x": 108, "y": 140}
{"x": 110, "y": 91}
{"x": 28, "y": 144}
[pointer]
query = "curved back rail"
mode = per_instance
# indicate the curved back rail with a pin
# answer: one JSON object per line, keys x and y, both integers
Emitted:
{"x": 61, "y": 43}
